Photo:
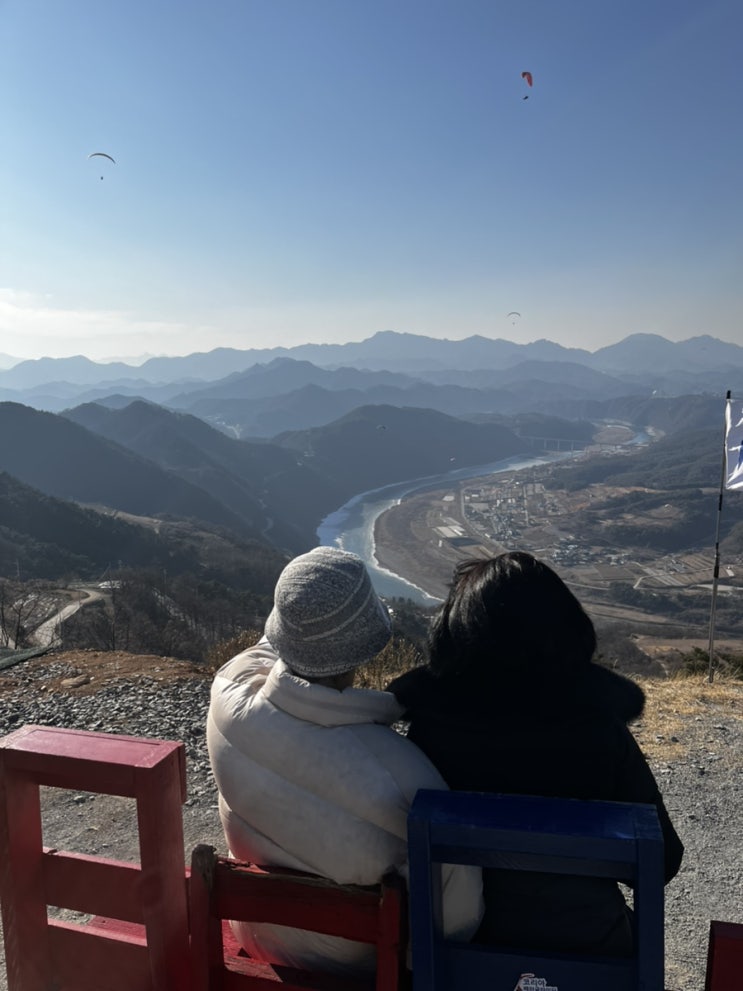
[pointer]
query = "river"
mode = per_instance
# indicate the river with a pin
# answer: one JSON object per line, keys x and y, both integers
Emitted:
{"x": 352, "y": 526}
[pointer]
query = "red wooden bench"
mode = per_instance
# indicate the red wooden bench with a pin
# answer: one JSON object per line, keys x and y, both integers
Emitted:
{"x": 222, "y": 888}
{"x": 149, "y": 949}
{"x": 724, "y": 957}
{"x": 139, "y": 937}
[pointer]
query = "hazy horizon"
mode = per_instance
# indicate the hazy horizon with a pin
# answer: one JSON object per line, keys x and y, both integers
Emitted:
{"x": 8, "y": 361}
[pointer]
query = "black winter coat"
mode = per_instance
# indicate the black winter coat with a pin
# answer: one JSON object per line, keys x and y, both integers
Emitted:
{"x": 564, "y": 736}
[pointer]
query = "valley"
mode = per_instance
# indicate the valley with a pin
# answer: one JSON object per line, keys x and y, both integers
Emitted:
{"x": 429, "y": 533}
{"x": 425, "y": 536}
{"x": 200, "y": 523}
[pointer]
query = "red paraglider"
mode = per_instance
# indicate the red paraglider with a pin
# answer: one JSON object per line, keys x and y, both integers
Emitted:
{"x": 527, "y": 76}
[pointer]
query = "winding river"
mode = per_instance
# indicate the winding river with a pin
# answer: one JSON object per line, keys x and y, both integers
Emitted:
{"x": 352, "y": 526}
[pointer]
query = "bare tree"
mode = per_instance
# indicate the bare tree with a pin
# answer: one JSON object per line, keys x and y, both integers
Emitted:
{"x": 18, "y": 603}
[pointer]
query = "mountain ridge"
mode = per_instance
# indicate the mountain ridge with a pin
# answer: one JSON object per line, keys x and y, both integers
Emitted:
{"x": 388, "y": 350}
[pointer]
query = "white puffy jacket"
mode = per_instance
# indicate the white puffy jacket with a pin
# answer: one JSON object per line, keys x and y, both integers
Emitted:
{"x": 317, "y": 780}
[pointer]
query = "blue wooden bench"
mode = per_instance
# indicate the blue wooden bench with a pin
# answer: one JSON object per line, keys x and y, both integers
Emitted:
{"x": 564, "y": 836}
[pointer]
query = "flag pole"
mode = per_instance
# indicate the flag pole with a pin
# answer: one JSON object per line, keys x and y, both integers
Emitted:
{"x": 716, "y": 571}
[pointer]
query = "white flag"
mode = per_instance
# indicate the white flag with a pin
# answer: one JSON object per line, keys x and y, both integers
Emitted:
{"x": 733, "y": 445}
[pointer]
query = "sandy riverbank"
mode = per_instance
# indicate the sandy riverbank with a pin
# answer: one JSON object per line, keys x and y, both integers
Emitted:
{"x": 407, "y": 544}
{"x": 403, "y": 545}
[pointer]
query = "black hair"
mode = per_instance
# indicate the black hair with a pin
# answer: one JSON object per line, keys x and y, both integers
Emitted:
{"x": 509, "y": 613}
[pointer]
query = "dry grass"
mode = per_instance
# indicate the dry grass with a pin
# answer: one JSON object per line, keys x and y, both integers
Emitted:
{"x": 397, "y": 657}
{"x": 225, "y": 650}
{"x": 680, "y": 710}
{"x": 84, "y": 672}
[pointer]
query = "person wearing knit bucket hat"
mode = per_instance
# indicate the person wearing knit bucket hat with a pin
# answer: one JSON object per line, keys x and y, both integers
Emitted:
{"x": 327, "y": 619}
{"x": 310, "y": 773}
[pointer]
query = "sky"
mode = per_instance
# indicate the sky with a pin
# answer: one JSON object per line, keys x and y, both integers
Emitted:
{"x": 309, "y": 171}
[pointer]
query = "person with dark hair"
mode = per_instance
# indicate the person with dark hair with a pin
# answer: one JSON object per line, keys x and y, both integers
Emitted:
{"x": 512, "y": 702}
{"x": 310, "y": 772}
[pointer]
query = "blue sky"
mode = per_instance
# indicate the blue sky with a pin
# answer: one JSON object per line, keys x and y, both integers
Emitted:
{"x": 292, "y": 171}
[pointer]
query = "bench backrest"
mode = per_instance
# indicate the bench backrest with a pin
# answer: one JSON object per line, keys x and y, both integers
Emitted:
{"x": 222, "y": 888}
{"x": 138, "y": 939}
{"x": 563, "y": 836}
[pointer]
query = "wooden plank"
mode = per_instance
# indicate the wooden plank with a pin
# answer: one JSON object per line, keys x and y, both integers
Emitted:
{"x": 244, "y": 974}
{"x": 392, "y": 942}
{"x": 483, "y": 968}
{"x": 104, "y": 763}
{"x": 92, "y": 884}
{"x": 117, "y": 926}
{"x": 724, "y": 957}
{"x": 108, "y": 748}
{"x": 21, "y": 882}
{"x": 163, "y": 888}
{"x": 316, "y": 904}
{"x": 205, "y": 930}
{"x": 86, "y": 959}
{"x": 228, "y": 968}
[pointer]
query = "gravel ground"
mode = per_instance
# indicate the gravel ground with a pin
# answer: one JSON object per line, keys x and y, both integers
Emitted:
{"x": 692, "y": 734}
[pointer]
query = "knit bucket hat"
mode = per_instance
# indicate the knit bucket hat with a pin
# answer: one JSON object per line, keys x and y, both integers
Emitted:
{"x": 326, "y": 618}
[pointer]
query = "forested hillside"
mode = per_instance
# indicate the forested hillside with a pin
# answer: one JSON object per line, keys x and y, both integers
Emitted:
{"x": 48, "y": 538}
{"x": 680, "y": 473}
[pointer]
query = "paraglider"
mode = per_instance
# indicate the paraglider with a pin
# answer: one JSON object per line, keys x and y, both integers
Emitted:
{"x": 527, "y": 76}
{"x": 513, "y": 313}
{"x": 101, "y": 154}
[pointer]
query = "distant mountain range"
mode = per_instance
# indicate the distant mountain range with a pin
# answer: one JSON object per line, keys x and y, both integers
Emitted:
{"x": 259, "y": 393}
{"x": 257, "y": 447}
{"x": 412, "y": 354}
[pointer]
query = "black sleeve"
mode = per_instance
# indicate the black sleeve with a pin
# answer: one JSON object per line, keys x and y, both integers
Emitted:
{"x": 606, "y": 689}
{"x": 637, "y": 784}
{"x": 408, "y": 688}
